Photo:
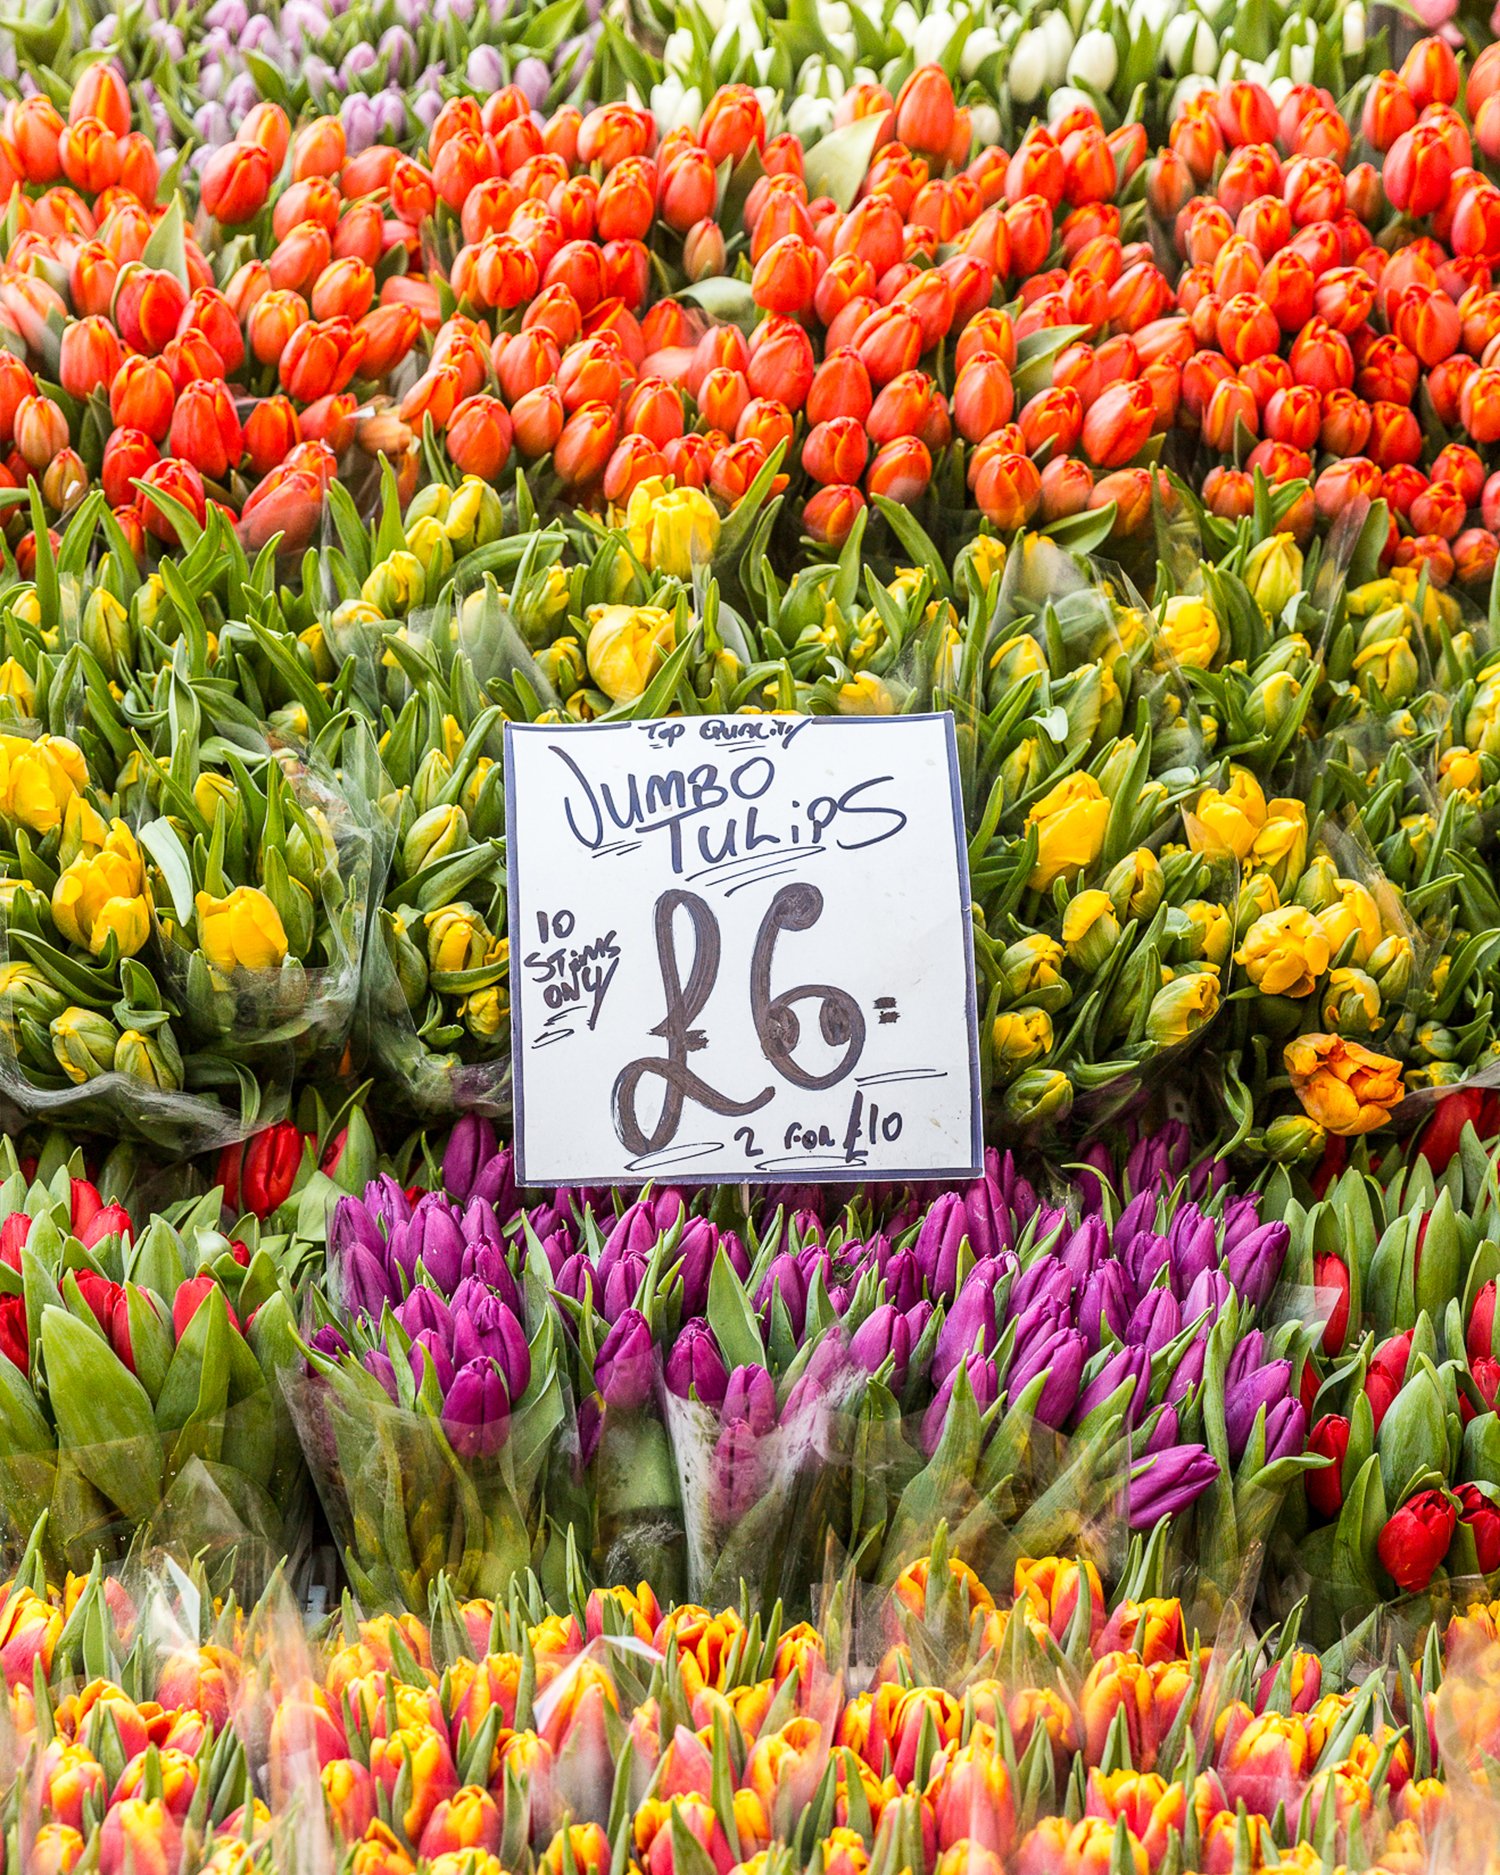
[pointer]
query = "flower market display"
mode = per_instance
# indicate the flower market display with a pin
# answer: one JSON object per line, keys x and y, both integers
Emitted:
{"x": 383, "y": 387}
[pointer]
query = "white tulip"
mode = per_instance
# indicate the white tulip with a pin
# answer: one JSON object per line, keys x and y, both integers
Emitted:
{"x": 1189, "y": 44}
{"x": 809, "y": 118}
{"x": 1006, "y": 21}
{"x": 1028, "y": 67}
{"x": 1079, "y": 11}
{"x": 905, "y": 21}
{"x": 1154, "y": 14}
{"x": 1354, "y": 29}
{"x": 764, "y": 61}
{"x": 680, "y": 50}
{"x": 836, "y": 17}
{"x": 864, "y": 75}
{"x": 981, "y": 44}
{"x": 985, "y": 121}
{"x": 1254, "y": 72}
{"x": 770, "y": 99}
{"x": 1279, "y": 88}
{"x": 845, "y": 44}
{"x": 665, "y": 99}
{"x": 1067, "y": 98}
{"x": 1058, "y": 37}
{"x": 930, "y": 41}
{"x": 1229, "y": 68}
{"x": 1095, "y": 61}
{"x": 1302, "y": 62}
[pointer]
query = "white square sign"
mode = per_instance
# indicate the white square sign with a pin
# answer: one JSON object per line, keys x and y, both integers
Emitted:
{"x": 740, "y": 949}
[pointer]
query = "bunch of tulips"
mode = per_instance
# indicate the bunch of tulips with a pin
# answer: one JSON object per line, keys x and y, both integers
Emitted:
{"x": 939, "y": 1727}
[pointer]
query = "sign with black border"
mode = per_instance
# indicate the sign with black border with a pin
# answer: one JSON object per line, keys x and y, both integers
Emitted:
{"x": 741, "y": 949}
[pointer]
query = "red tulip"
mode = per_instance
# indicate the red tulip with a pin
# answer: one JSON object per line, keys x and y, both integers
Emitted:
{"x": 258, "y": 1176}
{"x": 1415, "y": 1540}
{"x": 1325, "y": 1489}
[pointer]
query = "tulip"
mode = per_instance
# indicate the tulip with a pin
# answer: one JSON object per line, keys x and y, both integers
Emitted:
{"x": 1415, "y": 1540}
{"x": 1167, "y": 1484}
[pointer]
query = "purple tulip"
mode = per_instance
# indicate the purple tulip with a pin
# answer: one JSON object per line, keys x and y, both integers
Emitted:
{"x": 1189, "y": 1370}
{"x": 1192, "y": 1241}
{"x": 425, "y": 1309}
{"x": 884, "y": 1334}
{"x": 1105, "y": 1303}
{"x": 619, "y": 1283}
{"x": 1145, "y": 1256}
{"x": 750, "y": 1398}
{"x": 1286, "y": 1430}
{"x": 624, "y": 1365}
{"x": 486, "y": 1272}
{"x": 1267, "y": 1387}
{"x": 938, "y": 1243}
{"x": 1156, "y": 1321}
{"x": 367, "y": 1283}
{"x": 970, "y": 1323}
{"x": 903, "y": 1280}
{"x": 1130, "y": 1364}
{"x": 784, "y": 1280}
{"x": 1167, "y": 1483}
{"x": 986, "y": 1219}
{"x": 1060, "y": 1354}
{"x": 476, "y": 1412}
{"x": 1046, "y": 1281}
{"x": 1254, "y": 1261}
{"x": 485, "y": 70}
{"x": 1081, "y": 1252}
{"x": 826, "y": 1366}
{"x": 435, "y": 1347}
{"x": 1210, "y": 1292}
{"x": 434, "y": 1240}
{"x": 378, "y": 1363}
{"x": 533, "y": 78}
{"x": 1249, "y": 1353}
{"x": 330, "y": 1343}
{"x": 984, "y": 1383}
{"x": 1164, "y": 1429}
{"x": 696, "y": 1367}
{"x": 486, "y": 1328}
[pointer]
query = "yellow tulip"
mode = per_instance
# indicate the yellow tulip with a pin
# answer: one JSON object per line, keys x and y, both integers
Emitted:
{"x": 457, "y": 938}
{"x": 1353, "y": 914}
{"x": 1182, "y": 1007}
{"x": 104, "y": 892}
{"x": 628, "y": 644}
{"x": 38, "y": 779}
{"x": 1285, "y": 952}
{"x": 1344, "y": 1087}
{"x": 1228, "y": 819}
{"x": 1189, "y": 632}
{"x": 671, "y": 530}
{"x": 1273, "y": 573}
{"x": 1213, "y": 933}
{"x": 1280, "y": 847}
{"x": 241, "y": 932}
{"x": 1458, "y": 771}
{"x": 1020, "y": 1037}
{"x": 1070, "y": 820}
{"x": 987, "y": 557}
{"x": 866, "y": 695}
{"x": 1090, "y": 928}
